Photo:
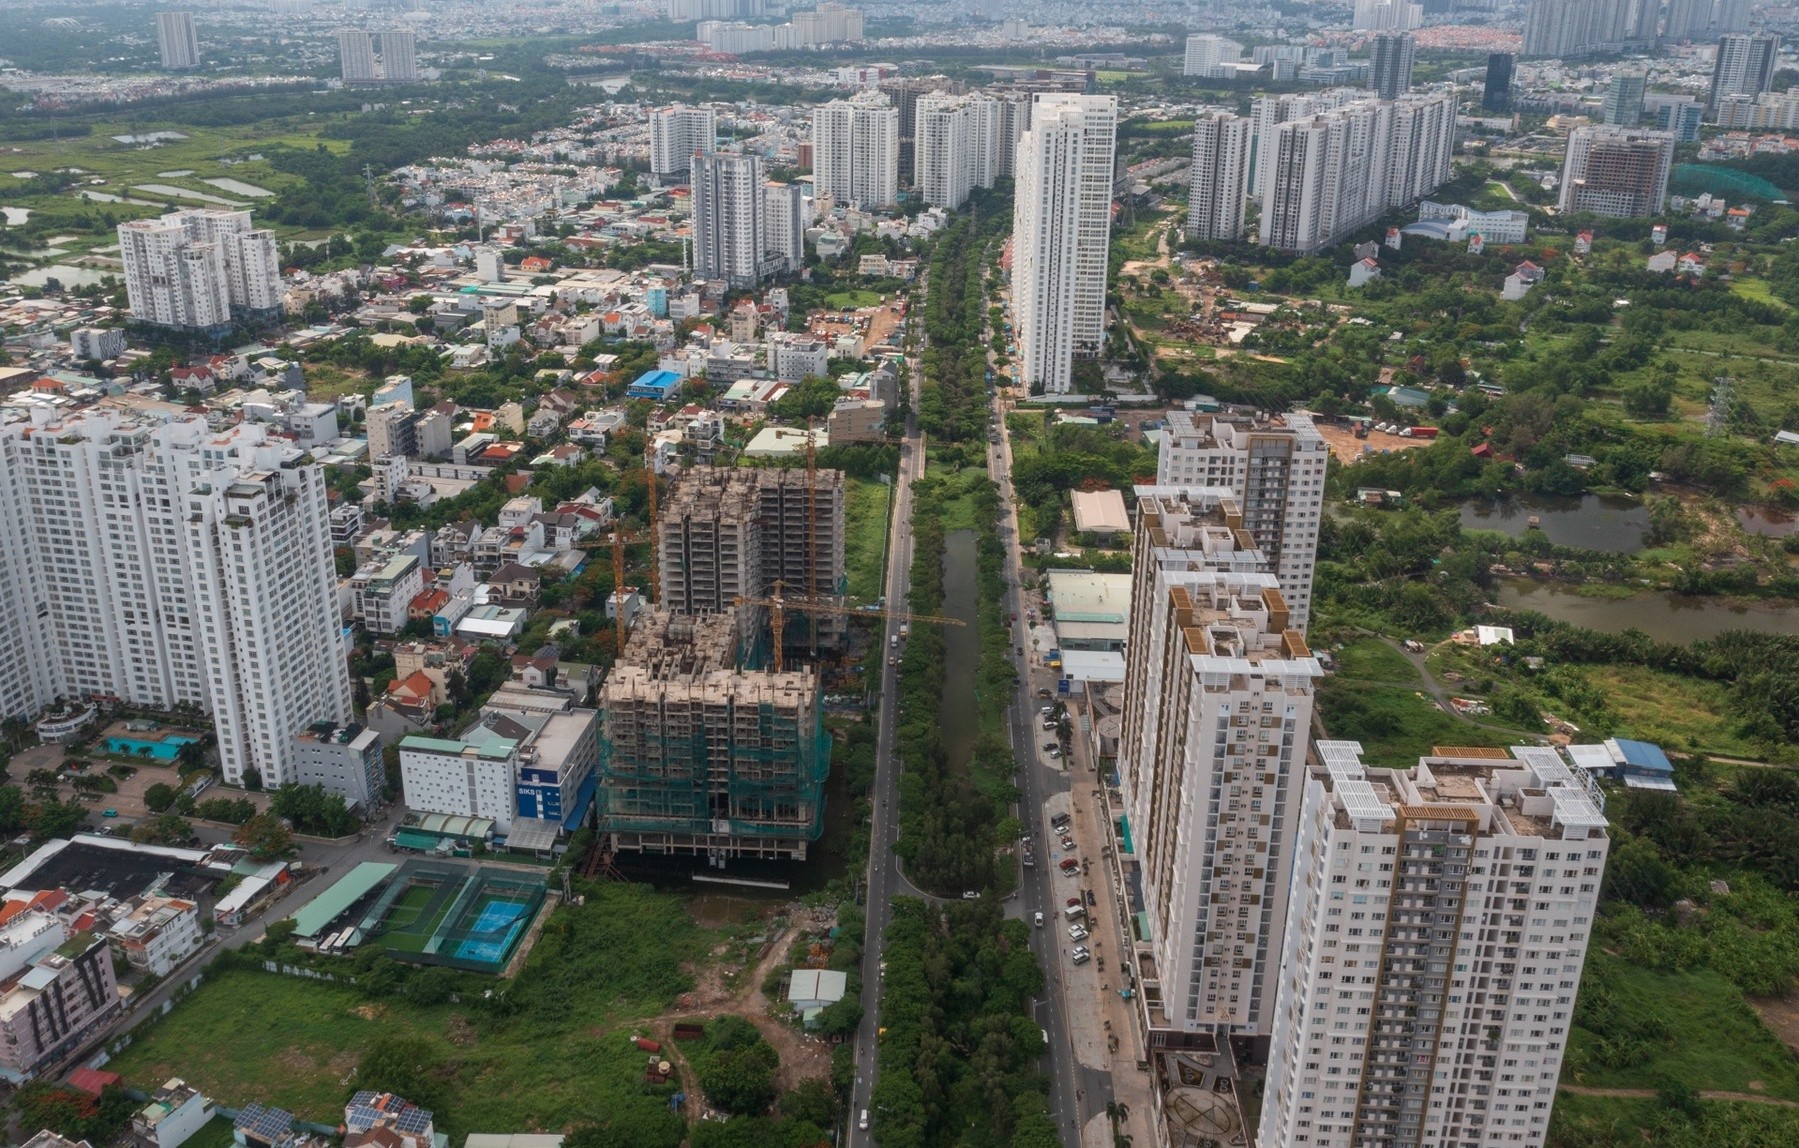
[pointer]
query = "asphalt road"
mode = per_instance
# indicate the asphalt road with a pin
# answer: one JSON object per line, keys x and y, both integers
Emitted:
{"x": 885, "y": 882}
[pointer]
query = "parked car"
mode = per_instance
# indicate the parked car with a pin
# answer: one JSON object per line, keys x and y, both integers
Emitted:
{"x": 1052, "y": 751}
{"x": 1070, "y": 866}
{"x": 1090, "y": 899}
{"x": 1060, "y": 820}
{"x": 970, "y": 895}
{"x": 1077, "y": 933}
{"x": 1067, "y": 844}
{"x": 1081, "y": 955}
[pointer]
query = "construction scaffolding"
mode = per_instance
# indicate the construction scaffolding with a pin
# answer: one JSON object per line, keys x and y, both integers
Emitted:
{"x": 730, "y": 533}
{"x": 703, "y": 757}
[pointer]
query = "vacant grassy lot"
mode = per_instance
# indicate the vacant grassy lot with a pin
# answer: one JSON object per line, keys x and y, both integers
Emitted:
{"x": 558, "y": 1055}
{"x": 1715, "y": 1040}
{"x": 851, "y": 300}
{"x": 1373, "y": 660}
{"x": 1678, "y": 712}
{"x": 865, "y": 526}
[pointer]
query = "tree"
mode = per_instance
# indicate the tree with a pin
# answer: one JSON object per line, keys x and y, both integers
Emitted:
{"x": 55, "y": 818}
{"x": 265, "y": 837}
{"x": 12, "y": 809}
{"x": 812, "y": 1100}
{"x": 313, "y": 809}
{"x": 404, "y": 1066}
{"x": 738, "y": 1073}
{"x": 624, "y": 1127}
{"x": 160, "y": 797}
{"x": 168, "y": 829}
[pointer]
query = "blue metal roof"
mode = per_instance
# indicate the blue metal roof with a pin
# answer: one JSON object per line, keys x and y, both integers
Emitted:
{"x": 1644, "y": 755}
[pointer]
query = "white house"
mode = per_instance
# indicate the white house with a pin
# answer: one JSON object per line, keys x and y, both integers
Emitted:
{"x": 174, "y": 1113}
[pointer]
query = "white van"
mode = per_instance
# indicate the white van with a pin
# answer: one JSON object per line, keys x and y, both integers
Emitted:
{"x": 863, "y": 1123}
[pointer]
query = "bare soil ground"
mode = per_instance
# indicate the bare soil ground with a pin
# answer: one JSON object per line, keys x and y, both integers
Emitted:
{"x": 1781, "y": 1014}
{"x": 1347, "y": 447}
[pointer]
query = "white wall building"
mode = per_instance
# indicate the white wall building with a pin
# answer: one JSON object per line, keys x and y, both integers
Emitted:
{"x": 473, "y": 779}
{"x": 158, "y": 934}
{"x": 1620, "y": 172}
{"x": 1207, "y": 53}
{"x": 677, "y": 133}
{"x": 728, "y": 241}
{"x": 956, "y": 146}
{"x": 1339, "y": 170}
{"x": 175, "y": 38}
{"x": 855, "y": 151}
{"x": 163, "y": 562}
{"x": 786, "y": 213}
{"x": 199, "y": 268}
{"x": 1439, "y": 922}
{"x": 345, "y": 759}
{"x": 1061, "y": 231}
{"x": 1211, "y": 758}
{"x": 1216, "y": 183}
{"x": 174, "y": 1113}
{"x": 1275, "y": 468}
{"x": 396, "y": 62}
{"x": 1387, "y": 16}
{"x": 383, "y": 591}
{"x": 96, "y": 343}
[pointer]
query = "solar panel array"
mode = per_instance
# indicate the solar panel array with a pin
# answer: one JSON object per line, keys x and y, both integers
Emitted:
{"x": 268, "y": 1125}
{"x": 413, "y": 1120}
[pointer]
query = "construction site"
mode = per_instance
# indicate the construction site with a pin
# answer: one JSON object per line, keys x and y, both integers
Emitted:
{"x": 704, "y": 752}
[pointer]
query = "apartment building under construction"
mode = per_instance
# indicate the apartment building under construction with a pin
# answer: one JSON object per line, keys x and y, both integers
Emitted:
{"x": 725, "y": 533}
{"x": 702, "y": 757}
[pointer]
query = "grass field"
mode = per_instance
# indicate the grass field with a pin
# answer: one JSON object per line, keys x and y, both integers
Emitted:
{"x": 562, "y": 1058}
{"x": 1715, "y": 1041}
{"x": 850, "y": 300}
{"x": 1376, "y": 697}
{"x": 1679, "y": 712}
{"x": 865, "y": 541}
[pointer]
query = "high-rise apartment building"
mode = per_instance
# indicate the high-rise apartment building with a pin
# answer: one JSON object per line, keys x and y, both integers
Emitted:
{"x": 1215, "y": 189}
{"x": 1394, "y": 53}
{"x": 1274, "y": 467}
{"x": 175, "y": 37}
{"x": 1206, "y": 53}
{"x": 905, "y": 93}
{"x": 1621, "y": 172}
{"x": 1745, "y": 67}
{"x": 396, "y": 62}
{"x": 1623, "y": 104}
{"x": 1496, "y": 94}
{"x": 1061, "y": 230}
{"x": 728, "y": 239}
{"x": 1769, "y": 111}
{"x": 1342, "y": 169}
{"x": 200, "y": 268}
{"x": 1211, "y": 759}
{"x": 828, "y": 24}
{"x": 855, "y": 150}
{"x": 1268, "y": 113}
{"x": 1439, "y": 919}
{"x": 677, "y": 134}
{"x": 159, "y": 562}
{"x": 1683, "y": 116}
{"x": 1387, "y": 16}
{"x": 786, "y": 213}
{"x": 1586, "y": 27}
{"x": 1706, "y": 19}
{"x": 683, "y": 10}
{"x": 956, "y": 146}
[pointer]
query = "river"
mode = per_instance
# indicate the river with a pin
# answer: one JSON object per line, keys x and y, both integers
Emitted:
{"x": 958, "y": 718}
{"x": 1665, "y": 617}
{"x": 1591, "y": 522}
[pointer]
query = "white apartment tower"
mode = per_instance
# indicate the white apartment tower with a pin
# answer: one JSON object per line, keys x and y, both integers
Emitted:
{"x": 175, "y": 37}
{"x": 1274, "y": 467}
{"x": 397, "y": 62}
{"x": 356, "y": 57}
{"x": 399, "y": 57}
{"x": 197, "y": 268}
{"x": 1339, "y": 170}
{"x": 1438, "y": 923}
{"x": 1266, "y": 115}
{"x": 855, "y": 150}
{"x": 956, "y": 146}
{"x": 786, "y": 213}
{"x": 159, "y": 562}
{"x": 1061, "y": 229}
{"x": 1745, "y": 67}
{"x": 677, "y": 133}
{"x": 1211, "y": 759}
{"x": 728, "y": 240}
{"x": 1206, "y": 53}
{"x": 1215, "y": 190}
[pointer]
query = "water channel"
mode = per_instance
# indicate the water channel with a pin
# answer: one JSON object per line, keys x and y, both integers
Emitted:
{"x": 1665, "y": 617}
{"x": 958, "y": 718}
{"x": 1591, "y": 522}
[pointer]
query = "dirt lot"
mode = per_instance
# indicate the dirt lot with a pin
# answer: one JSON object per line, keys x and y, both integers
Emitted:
{"x": 1780, "y": 1014}
{"x": 1347, "y": 447}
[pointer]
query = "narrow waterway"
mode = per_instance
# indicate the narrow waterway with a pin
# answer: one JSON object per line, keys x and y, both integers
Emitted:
{"x": 1665, "y": 617}
{"x": 958, "y": 718}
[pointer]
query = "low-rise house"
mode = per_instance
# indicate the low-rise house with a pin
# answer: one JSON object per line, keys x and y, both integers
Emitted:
{"x": 383, "y": 1120}
{"x": 158, "y": 934}
{"x": 175, "y": 1112}
{"x": 60, "y": 1001}
{"x": 514, "y": 585}
{"x": 264, "y": 1126}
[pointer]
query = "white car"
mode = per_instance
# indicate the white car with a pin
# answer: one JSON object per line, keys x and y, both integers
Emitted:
{"x": 1076, "y": 933}
{"x": 863, "y": 1123}
{"x": 1039, "y": 920}
{"x": 1081, "y": 955}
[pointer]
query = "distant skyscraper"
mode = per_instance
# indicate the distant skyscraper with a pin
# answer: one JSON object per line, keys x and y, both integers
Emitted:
{"x": 1437, "y": 923}
{"x": 728, "y": 241}
{"x": 175, "y": 36}
{"x": 855, "y": 150}
{"x": 1621, "y": 172}
{"x": 1585, "y": 27}
{"x": 1206, "y": 53}
{"x": 1061, "y": 232}
{"x": 1215, "y": 190}
{"x": 198, "y": 269}
{"x": 356, "y": 57}
{"x": 1745, "y": 67}
{"x": 399, "y": 57}
{"x": 1393, "y": 55}
{"x": 1623, "y": 105}
{"x": 1387, "y": 16}
{"x": 1497, "y": 94}
{"x": 956, "y": 148}
{"x": 786, "y": 213}
{"x": 676, "y": 133}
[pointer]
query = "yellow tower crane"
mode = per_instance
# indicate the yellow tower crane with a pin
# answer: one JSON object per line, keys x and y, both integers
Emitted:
{"x": 779, "y": 604}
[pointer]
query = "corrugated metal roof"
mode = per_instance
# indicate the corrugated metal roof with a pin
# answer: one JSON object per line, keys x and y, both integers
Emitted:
{"x": 333, "y": 902}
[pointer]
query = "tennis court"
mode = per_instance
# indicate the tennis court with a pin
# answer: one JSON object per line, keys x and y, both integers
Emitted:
{"x": 494, "y": 931}
{"x": 464, "y": 916}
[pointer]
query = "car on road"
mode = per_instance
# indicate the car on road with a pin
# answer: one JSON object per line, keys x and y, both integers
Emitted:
{"x": 863, "y": 1122}
{"x": 1039, "y": 918}
{"x": 1077, "y": 933}
{"x": 892, "y": 661}
{"x": 970, "y": 895}
{"x": 1070, "y": 866}
{"x": 1080, "y": 954}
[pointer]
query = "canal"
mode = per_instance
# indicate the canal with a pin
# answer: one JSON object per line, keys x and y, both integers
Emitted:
{"x": 1591, "y": 522}
{"x": 1665, "y": 617}
{"x": 959, "y": 717}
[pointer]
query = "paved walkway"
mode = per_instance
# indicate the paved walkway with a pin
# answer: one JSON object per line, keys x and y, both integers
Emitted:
{"x": 1651, "y": 1094}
